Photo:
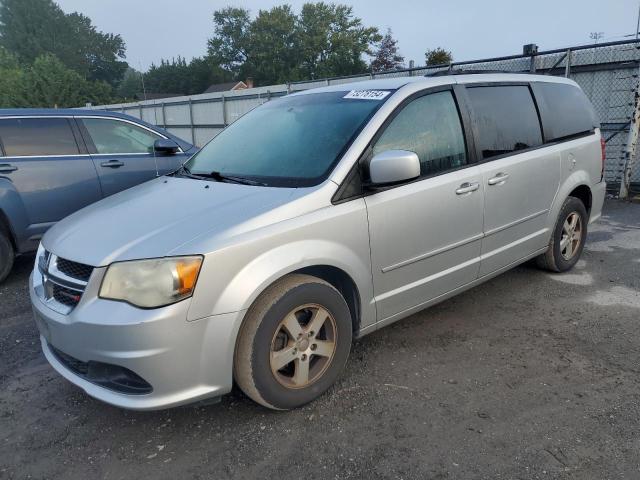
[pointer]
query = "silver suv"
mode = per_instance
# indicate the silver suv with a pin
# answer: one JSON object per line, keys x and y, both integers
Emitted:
{"x": 314, "y": 219}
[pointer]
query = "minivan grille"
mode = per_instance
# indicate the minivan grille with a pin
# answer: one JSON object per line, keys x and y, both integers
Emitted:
{"x": 66, "y": 296}
{"x": 64, "y": 281}
{"x": 74, "y": 269}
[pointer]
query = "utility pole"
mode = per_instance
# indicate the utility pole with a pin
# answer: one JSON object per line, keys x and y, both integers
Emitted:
{"x": 630, "y": 147}
{"x": 638, "y": 22}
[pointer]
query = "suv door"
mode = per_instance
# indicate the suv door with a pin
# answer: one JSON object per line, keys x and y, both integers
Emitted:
{"x": 520, "y": 178}
{"x": 45, "y": 161}
{"x": 426, "y": 235}
{"x": 123, "y": 152}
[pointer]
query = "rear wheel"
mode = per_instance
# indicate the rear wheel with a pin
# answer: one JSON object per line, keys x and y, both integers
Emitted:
{"x": 7, "y": 254}
{"x": 567, "y": 241}
{"x": 294, "y": 342}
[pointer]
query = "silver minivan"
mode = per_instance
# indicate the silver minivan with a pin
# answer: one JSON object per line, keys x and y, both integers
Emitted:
{"x": 316, "y": 218}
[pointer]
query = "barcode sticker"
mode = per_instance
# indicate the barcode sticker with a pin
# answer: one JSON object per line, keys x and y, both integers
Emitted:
{"x": 367, "y": 94}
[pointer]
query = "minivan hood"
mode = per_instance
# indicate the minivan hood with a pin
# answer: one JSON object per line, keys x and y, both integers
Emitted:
{"x": 155, "y": 218}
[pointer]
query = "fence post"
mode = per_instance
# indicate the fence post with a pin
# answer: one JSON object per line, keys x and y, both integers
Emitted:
{"x": 224, "y": 110}
{"x": 567, "y": 67}
{"x": 140, "y": 108}
{"x": 164, "y": 116}
{"x": 193, "y": 132}
{"x": 630, "y": 148}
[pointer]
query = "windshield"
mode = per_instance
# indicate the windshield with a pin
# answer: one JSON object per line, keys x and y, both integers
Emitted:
{"x": 293, "y": 141}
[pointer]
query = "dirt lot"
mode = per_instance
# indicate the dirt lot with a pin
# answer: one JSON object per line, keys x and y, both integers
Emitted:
{"x": 530, "y": 375}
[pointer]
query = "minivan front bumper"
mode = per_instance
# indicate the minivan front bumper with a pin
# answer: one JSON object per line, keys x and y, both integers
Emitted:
{"x": 182, "y": 361}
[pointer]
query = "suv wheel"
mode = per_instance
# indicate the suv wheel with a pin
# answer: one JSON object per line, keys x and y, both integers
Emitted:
{"x": 7, "y": 255}
{"x": 567, "y": 241}
{"x": 294, "y": 342}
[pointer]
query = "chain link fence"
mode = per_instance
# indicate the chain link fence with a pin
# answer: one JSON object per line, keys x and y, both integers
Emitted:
{"x": 608, "y": 74}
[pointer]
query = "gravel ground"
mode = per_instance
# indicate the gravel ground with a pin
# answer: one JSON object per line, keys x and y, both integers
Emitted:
{"x": 530, "y": 375}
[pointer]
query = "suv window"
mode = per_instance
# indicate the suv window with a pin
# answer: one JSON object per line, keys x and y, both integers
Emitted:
{"x": 114, "y": 136}
{"x": 505, "y": 118}
{"x": 567, "y": 110}
{"x": 37, "y": 136}
{"x": 429, "y": 126}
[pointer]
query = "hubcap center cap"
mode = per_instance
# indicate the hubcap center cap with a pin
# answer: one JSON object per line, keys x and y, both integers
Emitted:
{"x": 302, "y": 344}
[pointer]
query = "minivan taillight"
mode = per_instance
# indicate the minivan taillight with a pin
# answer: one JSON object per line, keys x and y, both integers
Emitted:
{"x": 603, "y": 147}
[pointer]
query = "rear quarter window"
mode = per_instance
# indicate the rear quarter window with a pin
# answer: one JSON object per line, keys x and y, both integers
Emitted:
{"x": 37, "y": 136}
{"x": 565, "y": 110}
{"x": 505, "y": 119}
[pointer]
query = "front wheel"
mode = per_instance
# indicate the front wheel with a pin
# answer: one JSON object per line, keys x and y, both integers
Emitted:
{"x": 7, "y": 255}
{"x": 567, "y": 240}
{"x": 294, "y": 342}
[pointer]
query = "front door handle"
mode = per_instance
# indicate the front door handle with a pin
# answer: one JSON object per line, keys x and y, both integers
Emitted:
{"x": 7, "y": 168}
{"x": 467, "y": 187}
{"x": 499, "y": 179}
{"x": 112, "y": 164}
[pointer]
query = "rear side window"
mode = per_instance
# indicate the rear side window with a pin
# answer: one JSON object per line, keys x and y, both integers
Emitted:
{"x": 505, "y": 118}
{"x": 37, "y": 136}
{"x": 565, "y": 110}
{"x": 114, "y": 136}
{"x": 430, "y": 127}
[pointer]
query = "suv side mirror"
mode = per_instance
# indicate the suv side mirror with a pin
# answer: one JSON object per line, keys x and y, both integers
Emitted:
{"x": 165, "y": 146}
{"x": 393, "y": 166}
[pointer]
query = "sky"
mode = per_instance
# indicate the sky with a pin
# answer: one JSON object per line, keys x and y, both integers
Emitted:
{"x": 470, "y": 29}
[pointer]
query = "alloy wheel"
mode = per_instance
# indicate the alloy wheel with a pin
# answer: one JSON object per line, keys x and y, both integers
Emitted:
{"x": 571, "y": 235}
{"x": 303, "y": 346}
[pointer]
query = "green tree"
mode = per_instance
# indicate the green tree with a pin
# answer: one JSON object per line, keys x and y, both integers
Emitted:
{"x": 203, "y": 72}
{"x": 333, "y": 40}
{"x": 228, "y": 46}
{"x": 386, "y": 56}
{"x": 178, "y": 76}
{"x": 278, "y": 45}
{"x": 11, "y": 81}
{"x": 49, "y": 83}
{"x": 31, "y": 28}
{"x": 271, "y": 47}
{"x": 438, "y": 56}
{"x": 131, "y": 84}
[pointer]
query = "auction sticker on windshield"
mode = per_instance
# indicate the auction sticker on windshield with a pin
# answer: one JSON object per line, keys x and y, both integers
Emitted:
{"x": 367, "y": 94}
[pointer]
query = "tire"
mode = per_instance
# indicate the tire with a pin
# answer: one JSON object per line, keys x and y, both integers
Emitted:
{"x": 556, "y": 258}
{"x": 270, "y": 333}
{"x": 7, "y": 255}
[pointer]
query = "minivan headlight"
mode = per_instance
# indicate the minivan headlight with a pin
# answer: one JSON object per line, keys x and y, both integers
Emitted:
{"x": 152, "y": 283}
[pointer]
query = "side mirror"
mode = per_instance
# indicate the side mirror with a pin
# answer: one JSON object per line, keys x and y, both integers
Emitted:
{"x": 393, "y": 166}
{"x": 165, "y": 146}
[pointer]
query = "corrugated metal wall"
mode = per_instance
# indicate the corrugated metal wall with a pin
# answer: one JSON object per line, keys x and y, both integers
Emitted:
{"x": 608, "y": 73}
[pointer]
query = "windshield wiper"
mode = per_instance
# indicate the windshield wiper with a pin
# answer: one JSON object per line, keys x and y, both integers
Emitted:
{"x": 217, "y": 176}
{"x": 183, "y": 171}
{"x": 221, "y": 177}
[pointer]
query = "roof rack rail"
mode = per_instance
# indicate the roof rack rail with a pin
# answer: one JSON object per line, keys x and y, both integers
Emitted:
{"x": 461, "y": 71}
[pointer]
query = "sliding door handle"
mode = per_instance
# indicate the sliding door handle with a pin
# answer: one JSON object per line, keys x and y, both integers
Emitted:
{"x": 467, "y": 187}
{"x": 499, "y": 179}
